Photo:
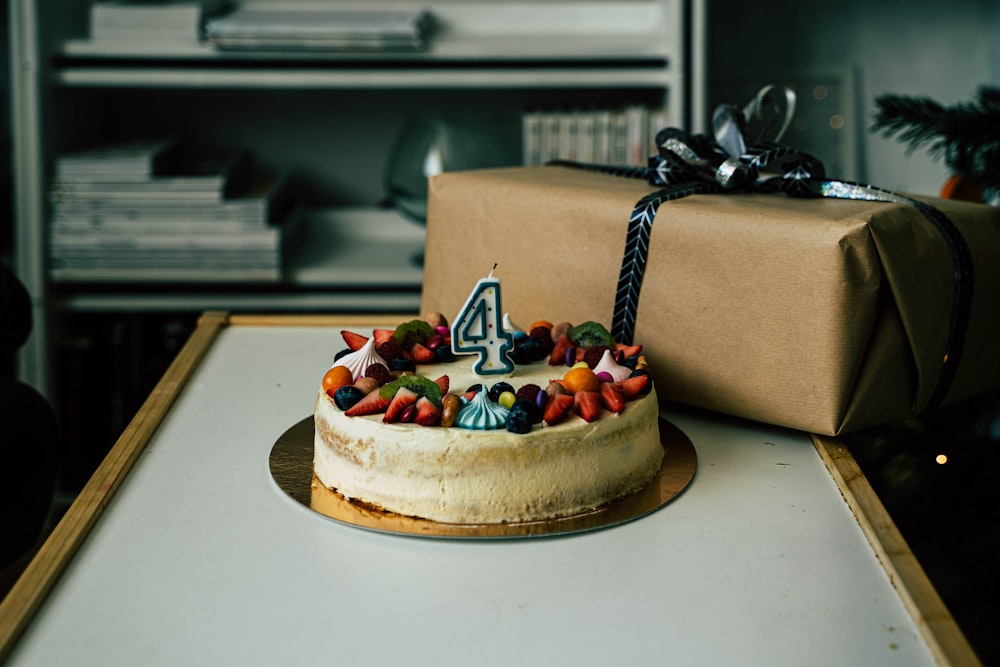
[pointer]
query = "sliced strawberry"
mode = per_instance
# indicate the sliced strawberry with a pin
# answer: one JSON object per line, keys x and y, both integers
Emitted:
{"x": 470, "y": 394}
{"x": 403, "y": 398}
{"x": 558, "y": 355}
{"x": 629, "y": 350}
{"x": 382, "y": 335}
{"x": 612, "y": 397}
{"x": 355, "y": 341}
{"x": 371, "y": 404}
{"x": 428, "y": 413}
{"x": 421, "y": 354}
{"x": 635, "y": 386}
{"x": 444, "y": 382}
{"x": 587, "y": 404}
{"x": 557, "y": 408}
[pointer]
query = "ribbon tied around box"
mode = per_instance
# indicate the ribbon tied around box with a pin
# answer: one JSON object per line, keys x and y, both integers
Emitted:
{"x": 689, "y": 164}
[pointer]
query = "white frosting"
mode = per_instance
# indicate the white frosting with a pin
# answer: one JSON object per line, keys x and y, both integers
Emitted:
{"x": 457, "y": 475}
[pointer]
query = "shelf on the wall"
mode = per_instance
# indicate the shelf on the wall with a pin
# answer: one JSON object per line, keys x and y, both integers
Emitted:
{"x": 494, "y": 75}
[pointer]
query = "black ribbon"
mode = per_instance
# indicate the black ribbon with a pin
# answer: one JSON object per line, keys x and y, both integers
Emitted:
{"x": 688, "y": 164}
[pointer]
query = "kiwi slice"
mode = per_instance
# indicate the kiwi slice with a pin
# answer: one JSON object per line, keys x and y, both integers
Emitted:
{"x": 590, "y": 334}
{"x": 410, "y": 333}
{"x": 415, "y": 383}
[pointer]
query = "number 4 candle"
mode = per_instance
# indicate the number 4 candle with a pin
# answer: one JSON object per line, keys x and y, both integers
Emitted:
{"x": 478, "y": 329}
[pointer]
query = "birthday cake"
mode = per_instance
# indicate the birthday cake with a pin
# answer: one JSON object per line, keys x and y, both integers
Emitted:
{"x": 568, "y": 421}
{"x": 539, "y": 423}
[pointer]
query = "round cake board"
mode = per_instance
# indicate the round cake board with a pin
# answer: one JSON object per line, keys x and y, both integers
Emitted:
{"x": 291, "y": 468}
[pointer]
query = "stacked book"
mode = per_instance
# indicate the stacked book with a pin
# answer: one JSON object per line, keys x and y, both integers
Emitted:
{"x": 164, "y": 24}
{"x": 624, "y": 136}
{"x": 359, "y": 28}
{"x": 151, "y": 211}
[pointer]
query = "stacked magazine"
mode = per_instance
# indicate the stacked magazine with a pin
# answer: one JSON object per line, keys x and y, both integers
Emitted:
{"x": 152, "y": 211}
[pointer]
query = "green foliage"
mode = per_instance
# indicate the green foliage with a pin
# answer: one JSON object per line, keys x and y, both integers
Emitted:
{"x": 966, "y": 136}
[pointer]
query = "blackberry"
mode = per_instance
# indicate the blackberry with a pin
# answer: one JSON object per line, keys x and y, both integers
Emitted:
{"x": 528, "y": 408}
{"x": 518, "y": 423}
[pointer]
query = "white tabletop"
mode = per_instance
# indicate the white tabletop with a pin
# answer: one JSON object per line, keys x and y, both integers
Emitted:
{"x": 201, "y": 559}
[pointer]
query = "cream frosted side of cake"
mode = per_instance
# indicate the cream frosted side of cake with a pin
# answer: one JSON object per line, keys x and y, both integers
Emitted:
{"x": 456, "y": 475}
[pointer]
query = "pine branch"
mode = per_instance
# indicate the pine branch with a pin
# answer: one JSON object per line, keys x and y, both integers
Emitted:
{"x": 966, "y": 136}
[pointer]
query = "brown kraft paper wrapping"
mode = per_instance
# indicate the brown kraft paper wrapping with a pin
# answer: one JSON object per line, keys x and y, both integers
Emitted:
{"x": 817, "y": 314}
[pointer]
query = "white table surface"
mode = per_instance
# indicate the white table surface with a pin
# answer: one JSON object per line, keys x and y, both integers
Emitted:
{"x": 202, "y": 560}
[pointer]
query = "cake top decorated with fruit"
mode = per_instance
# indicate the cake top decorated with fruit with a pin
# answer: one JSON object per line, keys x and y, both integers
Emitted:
{"x": 407, "y": 374}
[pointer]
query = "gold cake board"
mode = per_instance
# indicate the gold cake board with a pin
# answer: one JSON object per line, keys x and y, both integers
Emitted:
{"x": 291, "y": 468}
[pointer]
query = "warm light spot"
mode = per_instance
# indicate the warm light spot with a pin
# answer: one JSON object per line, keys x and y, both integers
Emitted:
{"x": 820, "y": 92}
{"x": 941, "y": 458}
{"x": 837, "y": 121}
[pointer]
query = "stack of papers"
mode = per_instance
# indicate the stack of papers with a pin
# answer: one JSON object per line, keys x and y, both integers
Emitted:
{"x": 149, "y": 211}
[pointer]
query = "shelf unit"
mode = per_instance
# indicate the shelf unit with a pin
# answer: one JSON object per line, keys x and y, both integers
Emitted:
{"x": 330, "y": 120}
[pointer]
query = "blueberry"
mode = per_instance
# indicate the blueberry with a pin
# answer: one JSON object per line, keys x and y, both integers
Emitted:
{"x": 499, "y": 388}
{"x": 443, "y": 354}
{"x": 474, "y": 387}
{"x": 343, "y": 353}
{"x": 402, "y": 364}
{"x": 347, "y": 396}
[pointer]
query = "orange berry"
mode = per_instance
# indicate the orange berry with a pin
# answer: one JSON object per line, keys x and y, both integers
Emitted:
{"x": 337, "y": 377}
{"x": 541, "y": 323}
{"x": 580, "y": 379}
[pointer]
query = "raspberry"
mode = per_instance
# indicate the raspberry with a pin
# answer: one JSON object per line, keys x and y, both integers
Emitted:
{"x": 544, "y": 334}
{"x": 528, "y": 391}
{"x": 593, "y": 355}
{"x": 379, "y": 373}
{"x": 389, "y": 350}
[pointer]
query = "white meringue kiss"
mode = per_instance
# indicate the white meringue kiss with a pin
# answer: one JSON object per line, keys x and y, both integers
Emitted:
{"x": 359, "y": 360}
{"x": 608, "y": 365}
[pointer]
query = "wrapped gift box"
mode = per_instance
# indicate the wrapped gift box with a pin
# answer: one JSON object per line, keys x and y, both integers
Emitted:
{"x": 818, "y": 314}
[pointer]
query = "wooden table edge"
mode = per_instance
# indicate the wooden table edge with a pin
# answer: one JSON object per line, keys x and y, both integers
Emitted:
{"x": 944, "y": 638}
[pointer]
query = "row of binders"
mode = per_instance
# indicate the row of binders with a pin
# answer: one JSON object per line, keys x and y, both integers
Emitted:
{"x": 153, "y": 211}
{"x": 624, "y": 136}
